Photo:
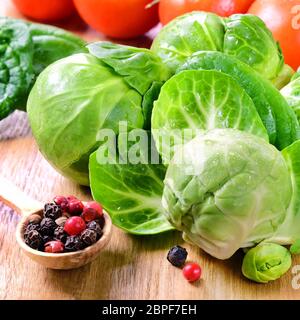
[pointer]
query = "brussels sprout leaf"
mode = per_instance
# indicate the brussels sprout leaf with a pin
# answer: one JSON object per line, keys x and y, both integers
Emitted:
{"x": 131, "y": 193}
{"x": 139, "y": 67}
{"x": 201, "y": 100}
{"x": 291, "y": 92}
{"x": 278, "y": 118}
{"x": 289, "y": 230}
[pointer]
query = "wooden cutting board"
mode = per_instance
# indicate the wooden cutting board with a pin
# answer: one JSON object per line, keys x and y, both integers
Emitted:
{"x": 131, "y": 267}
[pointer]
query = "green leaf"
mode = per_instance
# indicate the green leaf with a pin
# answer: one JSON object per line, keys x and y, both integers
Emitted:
{"x": 25, "y": 50}
{"x": 278, "y": 118}
{"x": 201, "y": 100}
{"x": 291, "y": 93}
{"x": 289, "y": 230}
{"x": 16, "y": 70}
{"x": 131, "y": 193}
{"x": 147, "y": 104}
{"x": 139, "y": 67}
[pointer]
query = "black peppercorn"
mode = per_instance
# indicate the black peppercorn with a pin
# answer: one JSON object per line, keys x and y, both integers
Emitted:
{"x": 31, "y": 226}
{"x": 101, "y": 221}
{"x": 47, "y": 227}
{"x": 60, "y": 234}
{"x": 89, "y": 237}
{"x": 74, "y": 243}
{"x": 93, "y": 225}
{"x": 34, "y": 240}
{"x": 47, "y": 239}
{"x": 177, "y": 256}
{"x": 52, "y": 211}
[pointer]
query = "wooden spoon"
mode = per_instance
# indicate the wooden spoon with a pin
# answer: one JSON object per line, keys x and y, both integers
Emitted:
{"x": 26, "y": 207}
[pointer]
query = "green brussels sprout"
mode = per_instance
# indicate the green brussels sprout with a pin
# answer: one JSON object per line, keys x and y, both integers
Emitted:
{"x": 245, "y": 37}
{"x": 76, "y": 97}
{"x": 226, "y": 189}
{"x": 248, "y": 39}
{"x": 187, "y": 34}
{"x": 266, "y": 262}
{"x": 201, "y": 100}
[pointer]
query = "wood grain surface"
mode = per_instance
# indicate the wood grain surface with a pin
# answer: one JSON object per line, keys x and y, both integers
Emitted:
{"x": 130, "y": 267}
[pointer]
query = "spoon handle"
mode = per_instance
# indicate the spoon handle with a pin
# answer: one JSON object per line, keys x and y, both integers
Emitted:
{"x": 14, "y": 198}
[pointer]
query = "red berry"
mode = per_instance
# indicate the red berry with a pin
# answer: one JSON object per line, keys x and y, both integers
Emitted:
{"x": 54, "y": 247}
{"x": 92, "y": 211}
{"x": 75, "y": 207}
{"x": 192, "y": 272}
{"x": 74, "y": 226}
{"x": 62, "y": 202}
{"x": 69, "y": 198}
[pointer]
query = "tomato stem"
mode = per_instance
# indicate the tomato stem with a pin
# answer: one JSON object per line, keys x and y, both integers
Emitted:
{"x": 151, "y": 4}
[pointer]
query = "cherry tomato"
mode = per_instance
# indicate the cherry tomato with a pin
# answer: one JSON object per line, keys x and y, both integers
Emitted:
{"x": 283, "y": 18}
{"x": 45, "y": 10}
{"x": 121, "y": 19}
{"x": 170, "y": 9}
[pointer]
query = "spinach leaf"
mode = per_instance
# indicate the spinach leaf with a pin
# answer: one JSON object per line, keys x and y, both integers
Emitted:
{"x": 16, "y": 69}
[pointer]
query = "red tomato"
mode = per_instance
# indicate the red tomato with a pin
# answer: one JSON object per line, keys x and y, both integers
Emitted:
{"x": 45, "y": 10}
{"x": 121, "y": 19}
{"x": 170, "y": 9}
{"x": 283, "y": 18}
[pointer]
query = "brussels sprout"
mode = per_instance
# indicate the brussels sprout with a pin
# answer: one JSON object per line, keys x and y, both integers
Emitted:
{"x": 266, "y": 262}
{"x": 278, "y": 118}
{"x": 248, "y": 39}
{"x": 131, "y": 193}
{"x": 226, "y": 189}
{"x": 76, "y": 97}
{"x": 187, "y": 34}
{"x": 201, "y": 100}
{"x": 244, "y": 36}
{"x": 291, "y": 92}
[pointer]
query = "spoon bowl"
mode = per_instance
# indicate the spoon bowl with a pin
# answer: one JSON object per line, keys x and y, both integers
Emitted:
{"x": 27, "y": 207}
